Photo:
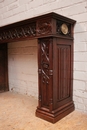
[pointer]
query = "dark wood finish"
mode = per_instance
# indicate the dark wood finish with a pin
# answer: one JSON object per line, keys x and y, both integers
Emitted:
{"x": 55, "y": 61}
{"x": 42, "y": 26}
{"x": 55, "y": 78}
{"x": 45, "y": 73}
{"x": 3, "y": 68}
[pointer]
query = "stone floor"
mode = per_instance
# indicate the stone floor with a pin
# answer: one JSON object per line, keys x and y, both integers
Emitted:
{"x": 17, "y": 112}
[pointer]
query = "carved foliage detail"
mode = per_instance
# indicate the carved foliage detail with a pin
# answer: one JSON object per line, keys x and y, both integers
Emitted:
{"x": 45, "y": 72}
{"x": 44, "y": 27}
{"x": 18, "y": 32}
{"x": 45, "y": 61}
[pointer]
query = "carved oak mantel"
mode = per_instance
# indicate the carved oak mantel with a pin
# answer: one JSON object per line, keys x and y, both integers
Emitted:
{"x": 55, "y": 61}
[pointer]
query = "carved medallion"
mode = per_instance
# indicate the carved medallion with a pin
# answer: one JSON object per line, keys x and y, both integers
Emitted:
{"x": 44, "y": 27}
{"x": 63, "y": 28}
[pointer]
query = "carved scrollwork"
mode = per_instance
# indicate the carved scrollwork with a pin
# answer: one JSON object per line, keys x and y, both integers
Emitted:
{"x": 58, "y": 29}
{"x": 44, "y": 27}
{"x": 18, "y": 32}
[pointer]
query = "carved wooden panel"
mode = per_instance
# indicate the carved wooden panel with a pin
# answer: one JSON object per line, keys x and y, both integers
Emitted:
{"x": 64, "y": 72}
{"x": 24, "y": 31}
{"x": 29, "y": 30}
{"x": 44, "y": 27}
{"x": 45, "y": 72}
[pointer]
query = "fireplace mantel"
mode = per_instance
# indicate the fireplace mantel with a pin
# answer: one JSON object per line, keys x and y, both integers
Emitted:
{"x": 55, "y": 61}
{"x": 38, "y": 27}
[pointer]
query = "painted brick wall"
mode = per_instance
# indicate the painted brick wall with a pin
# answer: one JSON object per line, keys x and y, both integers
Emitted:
{"x": 23, "y": 67}
{"x": 16, "y": 10}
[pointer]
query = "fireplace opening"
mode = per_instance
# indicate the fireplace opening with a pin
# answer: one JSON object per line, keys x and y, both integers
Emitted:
{"x": 23, "y": 67}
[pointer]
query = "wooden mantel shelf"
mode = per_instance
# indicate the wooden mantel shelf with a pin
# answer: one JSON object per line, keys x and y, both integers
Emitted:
{"x": 45, "y": 25}
{"x": 55, "y": 61}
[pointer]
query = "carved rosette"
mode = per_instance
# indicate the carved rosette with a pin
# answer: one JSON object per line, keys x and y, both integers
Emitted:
{"x": 58, "y": 28}
{"x": 44, "y": 27}
{"x": 18, "y": 32}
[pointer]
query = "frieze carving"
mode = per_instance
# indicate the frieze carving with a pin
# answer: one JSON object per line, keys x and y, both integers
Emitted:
{"x": 18, "y": 32}
{"x": 59, "y": 25}
{"x": 27, "y": 30}
{"x": 44, "y": 27}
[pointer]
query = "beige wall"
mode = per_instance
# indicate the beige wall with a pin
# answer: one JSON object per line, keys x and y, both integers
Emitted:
{"x": 16, "y": 10}
{"x": 23, "y": 67}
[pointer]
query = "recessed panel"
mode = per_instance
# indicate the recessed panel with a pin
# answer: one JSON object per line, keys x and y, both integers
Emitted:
{"x": 63, "y": 73}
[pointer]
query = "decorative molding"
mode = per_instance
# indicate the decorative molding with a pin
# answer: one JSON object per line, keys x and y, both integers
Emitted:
{"x": 27, "y": 30}
{"x": 18, "y": 32}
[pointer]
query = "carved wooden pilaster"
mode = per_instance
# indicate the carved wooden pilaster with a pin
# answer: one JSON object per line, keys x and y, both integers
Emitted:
{"x": 45, "y": 72}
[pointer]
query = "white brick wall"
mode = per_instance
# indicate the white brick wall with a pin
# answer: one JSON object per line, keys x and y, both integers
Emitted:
{"x": 22, "y": 66}
{"x": 16, "y": 10}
